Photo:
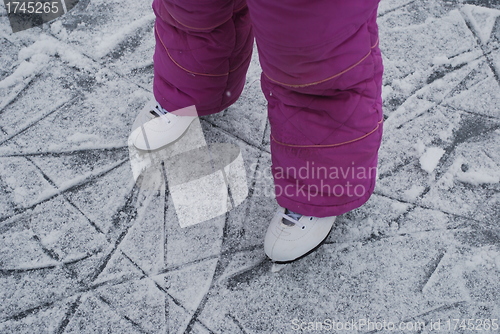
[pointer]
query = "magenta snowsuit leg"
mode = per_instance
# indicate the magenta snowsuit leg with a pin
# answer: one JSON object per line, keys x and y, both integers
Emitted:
{"x": 322, "y": 77}
{"x": 203, "y": 50}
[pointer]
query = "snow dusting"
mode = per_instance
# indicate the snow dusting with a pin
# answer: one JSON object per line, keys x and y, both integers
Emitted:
{"x": 430, "y": 159}
{"x": 91, "y": 242}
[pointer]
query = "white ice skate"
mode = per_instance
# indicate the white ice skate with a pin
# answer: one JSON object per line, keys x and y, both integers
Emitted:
{"x": 155, "y": 127}
{"x": 291, "y": 235}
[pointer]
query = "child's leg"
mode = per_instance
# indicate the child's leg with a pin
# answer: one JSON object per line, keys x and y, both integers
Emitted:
{"x": 322, "y": 77}
{"x": 203, "y": 51}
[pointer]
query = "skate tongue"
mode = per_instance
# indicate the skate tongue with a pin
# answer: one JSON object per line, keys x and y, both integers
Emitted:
{"x": 292, "y": 215}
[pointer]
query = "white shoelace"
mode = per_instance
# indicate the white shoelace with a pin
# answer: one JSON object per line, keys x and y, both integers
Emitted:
{"x": 160, "y": 112}
{"x": 293, "y": 217}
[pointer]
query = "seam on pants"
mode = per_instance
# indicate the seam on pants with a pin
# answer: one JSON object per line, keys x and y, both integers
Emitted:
{"x": 327, "y": 79}
{"x": 330, "y": 145}
{"x": 185, "y": 69}
{"x": 237, "y": 10}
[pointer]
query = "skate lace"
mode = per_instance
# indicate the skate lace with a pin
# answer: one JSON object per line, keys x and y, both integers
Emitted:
{"x": 294, "y": 218}
{"x": 158, "y": 111}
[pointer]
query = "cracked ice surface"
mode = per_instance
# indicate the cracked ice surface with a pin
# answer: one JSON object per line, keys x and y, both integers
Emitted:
{"x": 86, "y": 249}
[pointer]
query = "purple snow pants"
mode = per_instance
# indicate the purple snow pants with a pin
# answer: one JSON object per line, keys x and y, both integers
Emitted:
{"x": 322, "y": 78}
